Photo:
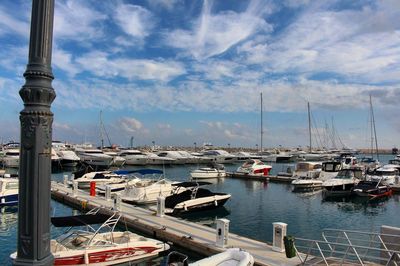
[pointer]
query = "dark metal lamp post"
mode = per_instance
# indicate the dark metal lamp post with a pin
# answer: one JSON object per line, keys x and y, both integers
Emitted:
{"x": 36, "y": 129}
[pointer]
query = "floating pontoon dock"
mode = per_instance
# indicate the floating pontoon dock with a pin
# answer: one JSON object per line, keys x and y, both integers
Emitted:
{"x": 272, "y": 178}
{"x": 195, "y": 237}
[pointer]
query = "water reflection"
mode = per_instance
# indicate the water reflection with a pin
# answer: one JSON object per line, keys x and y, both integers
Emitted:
{"x": 365, "y": 205}
{"x": 8, "y": 220}
{"x": 207, "y": 217}
{"x": 254, "y": 185}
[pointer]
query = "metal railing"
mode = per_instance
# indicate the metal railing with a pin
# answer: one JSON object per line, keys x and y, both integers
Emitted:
{"x": 349, "y": 247}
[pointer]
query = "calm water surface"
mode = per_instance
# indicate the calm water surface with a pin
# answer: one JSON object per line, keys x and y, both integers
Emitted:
{"x": 253, "y": 208}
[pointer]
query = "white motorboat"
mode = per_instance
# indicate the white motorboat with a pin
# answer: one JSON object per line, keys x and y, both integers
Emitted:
{"x": 305, "y": 184}
{"x": 154, "y": 159}
{"x": 243, "y": 156}
{"x": 147, "y": 190}
{"x": 212, "y": 170}
{"x": 8, "y": 191}
{"x": 68, "y": 158}
{"x": 116, "y": 159}
{"x": 134, "y": 157}
{"x": 189, "y": 197}
{"x": 93, "y": 247}
{"x": 330, "y": 170}
{"x": 231, "y": 256}
{"x": 11, "y": 158}
{"x": 175, "y": 155}
{"x": 55, "y": 159}
{"x": 343, "y": 183}
{"x": 387, "y": 175}
{"x": 254, "y": 167}
{"x": 101, "y": 178}
{"x": 94, "y": 157}
{"x": 220, "y": 156}
{"x": 307, "y": 169}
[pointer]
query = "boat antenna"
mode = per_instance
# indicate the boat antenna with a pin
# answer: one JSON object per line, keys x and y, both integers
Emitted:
{"x": 309, "y": 123}
{"x": 262, "y": 132}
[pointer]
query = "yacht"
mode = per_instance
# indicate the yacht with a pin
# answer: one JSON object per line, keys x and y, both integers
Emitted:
{"x": 220, "y": 156}
{"x": 254, "y": 167}
{"x": 99, "y": 246}
{"x": 134, "y": 157}
{"x": 116, "y": 159}
{"x": 67, "y": 156}
{"x": 94, "y": 157}
{"x": 154, "y": 159}
{"x": 330, "y": 170}
{"x": 387, "y": 175}
{"x": 188, "y": 197}
{"x": 175, "y": 155}
{"x": 307, "y": 169}
{"x": 100, "y": 178}
{"x": 148, "y": 189}
{"x": 212, "y": 170}
{"x": 343, "y": 183}
{"x": 8, "y": 191}
{"x": 11, "y": 158}
{"x": 372, "y": 189}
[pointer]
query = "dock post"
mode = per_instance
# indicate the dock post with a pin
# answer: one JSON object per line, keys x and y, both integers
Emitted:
{"x": 108, "y": 193}
{"x": 72, "y": 177}
{"x": 74, "y": 188}
{"x": 65, "y": 180}
{"x": 117, "y": 202}
{"x": 222, "y": 233}
{"x": 160, "y": 206}
{"x": 278, "y": 235}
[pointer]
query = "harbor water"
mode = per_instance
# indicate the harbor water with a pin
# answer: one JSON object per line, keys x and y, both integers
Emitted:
{"x": 252, "y": 209}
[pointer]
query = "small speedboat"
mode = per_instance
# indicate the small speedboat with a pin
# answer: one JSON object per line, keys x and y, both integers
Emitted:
{"x": 254, "y": 167}
{"x": 231, "y": 256}
{"x": 189, "y": 197}
{"x": 8, "y": 191}
{"x": 96, "y": 247}
{"x": 147, "y": 189}
{"x": 101, "y": 178}
{"x": 372, "y": 189}
{"x": 213, "y": 170}
{"x": 343, "y": 183}
{"x": 386, "y": 174}
{"x": 306, "y": 184}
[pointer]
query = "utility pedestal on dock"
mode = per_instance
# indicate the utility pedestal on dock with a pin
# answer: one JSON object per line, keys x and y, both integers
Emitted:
{"x": 279, "y": 234}
{"x": 160, "y": 206}
{"x": 222, "y": 233}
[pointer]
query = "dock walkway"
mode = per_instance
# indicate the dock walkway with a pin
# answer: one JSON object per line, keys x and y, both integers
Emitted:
{"x": 192, "y": 236}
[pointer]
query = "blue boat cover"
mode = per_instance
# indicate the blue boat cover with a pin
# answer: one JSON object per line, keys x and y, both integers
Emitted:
{"x": 140, "y": 171}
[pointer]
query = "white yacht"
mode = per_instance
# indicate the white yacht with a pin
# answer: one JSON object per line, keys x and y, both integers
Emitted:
{"x": 220, "y": 156}
{"x": 176, "y": 155}
{"x": 307, "y": 169}
{"x": 154, "y": 159}
{"x": 134, "y": 157}
{"x": 387, "y": 175}
{"x": 8, "y": 191}
{"x": 254, "y": 167}
{"x": 11, "y": 158}
{"x": 94, "y": 157}
{"x": 343, "y": 183}
{"x": 212, "y": 170}
{"x": 101, "y": 178}
{"x": 330, "y": 170}
{"x": 117, "y": 160}
{"x": 67, "y": 156}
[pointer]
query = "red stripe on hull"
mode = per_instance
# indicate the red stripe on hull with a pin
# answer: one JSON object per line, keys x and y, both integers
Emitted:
{"x": 105, "y": 256}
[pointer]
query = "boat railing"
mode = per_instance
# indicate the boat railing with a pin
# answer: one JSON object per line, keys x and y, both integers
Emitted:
{"x": 349, "y": 247}
{"x": 110, "y": 224}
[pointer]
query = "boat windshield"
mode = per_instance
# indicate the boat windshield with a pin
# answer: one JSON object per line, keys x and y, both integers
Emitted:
{"x": 11, "y": 185}
{"x": 75, "y": 240}
{"x": 331, "y": 167}
{"x": 345, "y": 174}
{"x": 385, "y": 173}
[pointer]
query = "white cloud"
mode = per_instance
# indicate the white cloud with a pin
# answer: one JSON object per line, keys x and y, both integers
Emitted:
{"x": 10, "y": 24}
{"x": 75, "y": 20}
{"x": 100, "y": 64}
{"x": 213, "y": 34}
{"x": 130, "y": 124}
{"x": 166, "y": 4}
{"x": 134, "y": 20}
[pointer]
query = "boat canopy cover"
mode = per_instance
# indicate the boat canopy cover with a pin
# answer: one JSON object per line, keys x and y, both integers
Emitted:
{"x": 79, "y": 220}
{"x": 191, "y": 184}
{"x": 140, "y": 171}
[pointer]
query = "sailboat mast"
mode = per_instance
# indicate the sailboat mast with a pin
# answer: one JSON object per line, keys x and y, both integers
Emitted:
{"x": 309, "y": 123}
{"x": 101, "y": 130}
{"x": 262, "y": 132}
{"x": 374, "y": 128}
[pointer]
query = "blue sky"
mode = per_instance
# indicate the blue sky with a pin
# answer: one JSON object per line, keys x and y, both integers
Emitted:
{"x": 178, "y": 72}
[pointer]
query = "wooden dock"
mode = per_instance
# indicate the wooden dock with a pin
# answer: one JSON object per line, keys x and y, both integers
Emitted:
{"x": 271, "y": 178}
{"x": 195, "y": 237}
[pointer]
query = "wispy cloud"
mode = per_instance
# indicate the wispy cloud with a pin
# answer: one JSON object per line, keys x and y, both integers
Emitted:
{"x": 130, "y": 124}
{"x": 213, "y": 34}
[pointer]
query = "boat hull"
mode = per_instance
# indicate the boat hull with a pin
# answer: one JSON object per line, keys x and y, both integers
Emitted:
{"x": 9, "y": 200}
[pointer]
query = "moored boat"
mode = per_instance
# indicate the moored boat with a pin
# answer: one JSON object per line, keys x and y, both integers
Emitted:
{"x": 8, "y": 191}
{"x": 212, "y": 170}
{"x": 372, "y": 189}
{"x": 254, "y": 167}
{"x": 343, "y": 183}
{"x": 93, "y": 247}
{"x": 100, "y": 178}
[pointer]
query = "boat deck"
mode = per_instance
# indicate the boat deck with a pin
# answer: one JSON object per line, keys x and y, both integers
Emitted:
{"x": 271, "y": 178}
{"x": 195, "y": 237}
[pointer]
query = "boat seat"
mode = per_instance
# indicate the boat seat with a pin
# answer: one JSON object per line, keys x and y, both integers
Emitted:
{"x": 55, "y": 246}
